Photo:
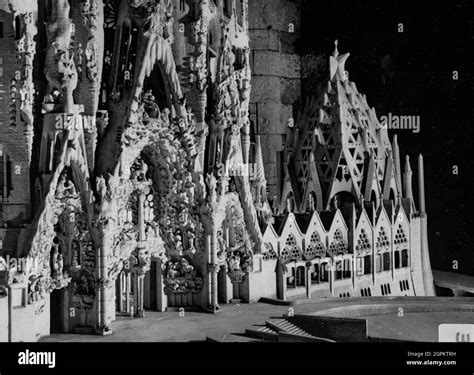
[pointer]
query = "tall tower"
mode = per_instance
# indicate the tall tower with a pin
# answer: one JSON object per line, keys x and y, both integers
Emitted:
{"x": 274, "y": 27}
{"x": 17, "y": 30}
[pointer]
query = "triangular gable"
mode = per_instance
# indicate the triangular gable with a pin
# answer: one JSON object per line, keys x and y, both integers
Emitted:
{"x": 338, "y": 221}
{"x": 382, "y": 217}
{"x": 400, "y": 215}
{"x": 291, "y": 226}
{"x": 288, "y": 187}
{"x": 371, "y": 182}
{"x": 390, "y": 181}
{"x": 334, "y": 244}
{"x": 316, "y": 224}
{"x": 290, "y": 230}
{"x": 313, "y": 186}
{"x": 270, "y": 234}
{"x": 363, "y": 219}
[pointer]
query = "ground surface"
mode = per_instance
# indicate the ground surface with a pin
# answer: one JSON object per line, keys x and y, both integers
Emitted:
{"x": 418, "y": 322}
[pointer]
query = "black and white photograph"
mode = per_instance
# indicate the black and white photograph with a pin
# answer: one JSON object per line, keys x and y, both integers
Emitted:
{"x": 193, "y": 182}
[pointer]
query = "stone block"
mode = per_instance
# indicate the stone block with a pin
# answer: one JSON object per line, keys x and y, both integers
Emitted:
{"x": 273, "y": 118}
{"x": 265, "y": 89}
{"x": 264, "y": 40}
{"x": 274, "y": 15}
{"x": 276, "y": 64}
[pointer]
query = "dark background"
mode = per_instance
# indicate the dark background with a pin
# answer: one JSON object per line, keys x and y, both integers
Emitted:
{"x": 411, "y": 73}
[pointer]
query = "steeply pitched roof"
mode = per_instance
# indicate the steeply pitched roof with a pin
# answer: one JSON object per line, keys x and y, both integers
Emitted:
{"x": 327, "y": 218}
{"x": 303, "y": 221}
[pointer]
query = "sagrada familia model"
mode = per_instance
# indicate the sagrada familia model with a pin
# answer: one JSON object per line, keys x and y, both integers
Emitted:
{"x": 134, "y": 169}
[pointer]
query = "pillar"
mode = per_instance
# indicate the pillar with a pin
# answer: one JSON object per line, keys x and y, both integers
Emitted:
{"x": 161, "y": 297}
{"x": 213, "y": 269}
{"x": 103, "y": 323}
{"x": 428, "y": 281}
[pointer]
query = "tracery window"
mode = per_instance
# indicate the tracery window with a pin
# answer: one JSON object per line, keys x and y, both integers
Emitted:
{"x": 269, "y": 253}
{"x": 382, "y": 243}
{"x": 291, "y": 250}
{"x": 338, "y": 245}
{"x": 400, "y": 237}
{"x": 363, "y": 243}
{"x": 315, "y": 247}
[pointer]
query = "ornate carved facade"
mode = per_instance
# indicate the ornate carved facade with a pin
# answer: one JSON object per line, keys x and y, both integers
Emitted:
{"x": 149, "y": 188}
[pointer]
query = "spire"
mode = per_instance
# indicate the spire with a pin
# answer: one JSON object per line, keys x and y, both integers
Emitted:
{"x": 421, "y": 183}
{"x": 336, "y": 52}
{"x": 396, "y": 159}
{"x": 337, "y": 64}
{"x": 259, "y": 170}
{"x": 407, "y": 179}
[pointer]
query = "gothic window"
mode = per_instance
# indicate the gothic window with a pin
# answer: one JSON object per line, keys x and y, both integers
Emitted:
{"x": 386, "y": 261}
{"x": 378, "y": 263}
{"x": 363, "y": 244}
{"x": 239, "y": 58}
{"x": 17, "y": 27}
{"x": 392, "y": 195}
{"x": 382, "y": 243}
{"x": 5, "y": 175}
{"x": 315, "y": 248}
{"x": 338, "y": 246}
{"x": 324, "y": 272}
{"x": 290, "y": 202}
{"x": 239, "y": 11}
{"x": 396, "y": 259}
{"x": 300, "y": 276}
{"x": 291, "y": 250}
{"x": 367, "y": 265}
{"x": 339, "y": 266}
{"x": 400, "y": 237}
{"x": 347, "y": 268}
{"x": 405, "y": 258}
{"x": 227, "y": 4}
{"x": 373, "y": 197}
{"x": 269, "y": 254}
{"x": 360, "y": 266}
{"x": 315, "y": 274}
{"x": 291, "y": 279}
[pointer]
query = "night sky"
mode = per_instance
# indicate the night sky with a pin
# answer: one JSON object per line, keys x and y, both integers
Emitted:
{"x": 411, "y": 73}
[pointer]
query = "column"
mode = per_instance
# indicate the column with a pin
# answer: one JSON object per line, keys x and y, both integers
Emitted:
{"x": 213, "y": 270}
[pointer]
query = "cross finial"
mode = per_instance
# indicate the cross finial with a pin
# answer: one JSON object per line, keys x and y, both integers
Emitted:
{"x": 336, "y": 52}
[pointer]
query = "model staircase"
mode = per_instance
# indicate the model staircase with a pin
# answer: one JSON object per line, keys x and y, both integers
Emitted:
{"x": 282, "y": 330}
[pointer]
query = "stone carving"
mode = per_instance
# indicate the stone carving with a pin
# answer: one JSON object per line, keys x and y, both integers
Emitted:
{"x": 181, "y": 277}
{"x": 148, "y": 195}
{"x": 60, "y": 69}
{"x": 26, "y": 50}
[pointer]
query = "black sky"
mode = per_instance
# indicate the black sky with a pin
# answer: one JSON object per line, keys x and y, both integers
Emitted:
{"x": 411, "y": 73}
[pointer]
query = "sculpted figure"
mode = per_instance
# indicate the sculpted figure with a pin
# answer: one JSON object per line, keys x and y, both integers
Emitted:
{"x": 60, "y": 69}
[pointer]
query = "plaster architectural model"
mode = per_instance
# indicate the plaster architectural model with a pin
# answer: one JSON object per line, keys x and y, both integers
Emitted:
{"x": 133, "y": 179}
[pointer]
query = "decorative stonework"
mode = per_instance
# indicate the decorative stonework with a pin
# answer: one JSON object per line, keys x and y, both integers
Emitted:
{"x": 181, "y": 277}
{"x": 26, "y": 50}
